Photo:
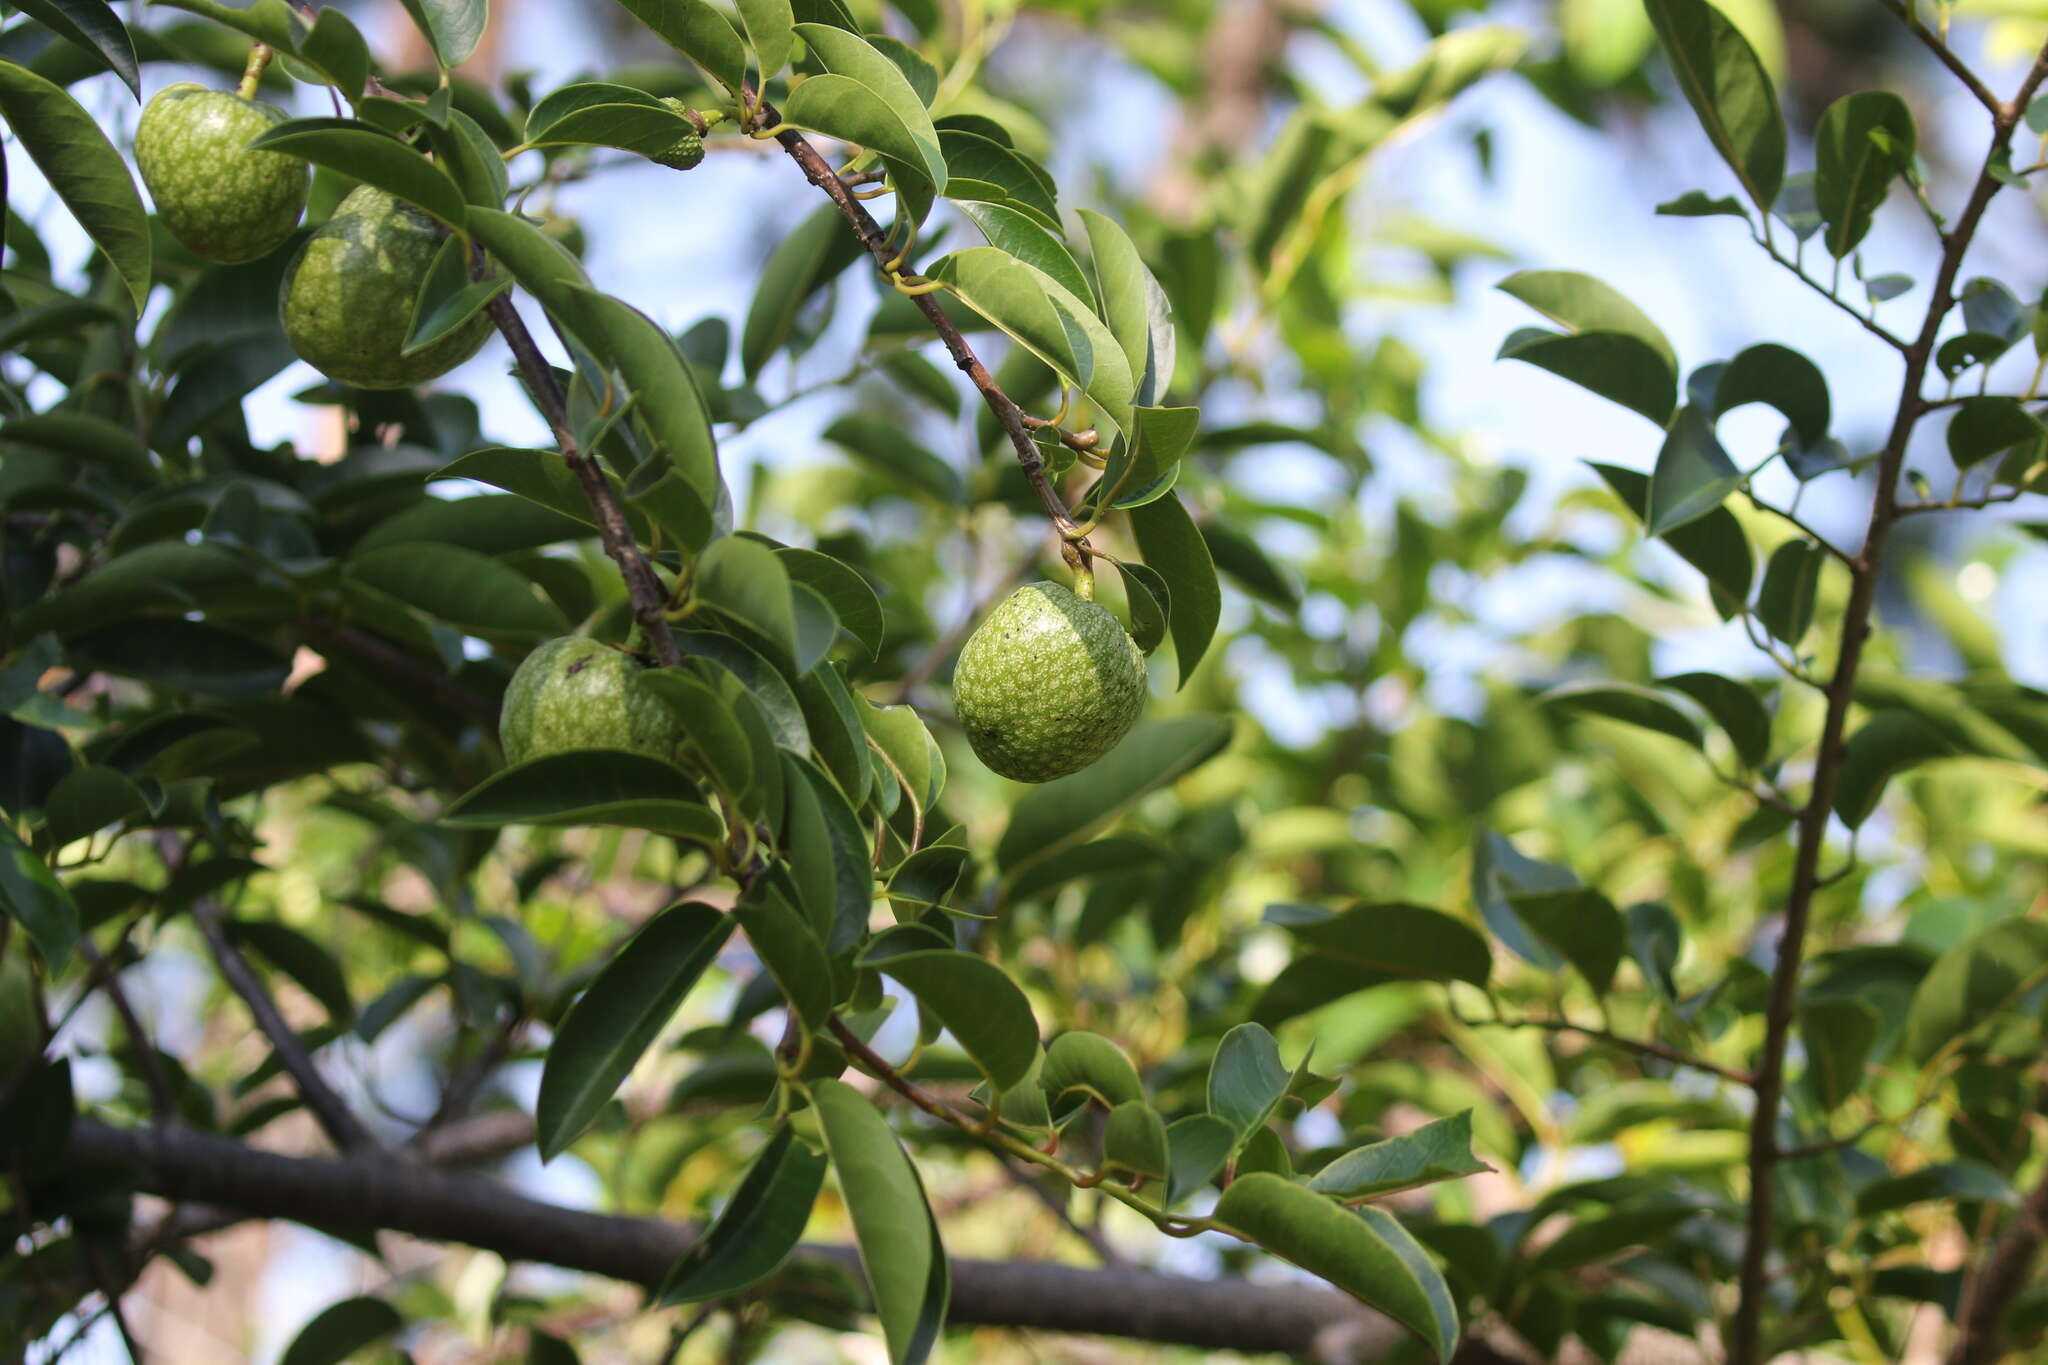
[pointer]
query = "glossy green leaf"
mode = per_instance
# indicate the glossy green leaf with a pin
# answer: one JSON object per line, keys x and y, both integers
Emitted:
{"x": 589, "y": 787}
{"x": 1973, "y": 982}
{"x": 1088, "y": 1064}
{"x": 453, "y": 28}
{"x": 1729, "y": 90}
{"x": 267, "y": 21}
{"x": 1886, "y": 744}
{"x": 771, "y": 32}
{"x": 1247, "y": 1079}
{"x": 714, "y": 736}
{"x": 1439, "y": 1150}
{"x": 1240, "y": 557}
{"x": 449, "y": 298}
{"x": 974, "y": 158}
{"x": 1023, "y": 236}
{"x": 978, "y": 1004}
{"x": 1170, "y": 542}
{"x": 744, "y": 579}
{"x": 342, "y": 1329}
{"x": 1783, "y": 378}
{"x": 1196, "y": 1148}
{"x": 36, "y": 900}
{"x": 89, "y": 799}
{"x": 854, "y": 57}
{"x": 1983, "y": 427}
{"x": 1715, "y": 544}
{"x": 1146, "y": 464}
{"x": 1326, "y": 1239}
{"x": 814, "y": 252}
{"x": 885, "y": 448}
{"x": 84, "y": 169}
{"x": 757, "y": 1229}
{"x": 1151, "y": 604}
{"x": 1838, "y": 1032}
{"x": 459, "y": 586}
{"x": 335, "y": 48}
{"x": 1367, "y": 946}
{"x": 1627, "y": 703}
{"x": 1581, "y": 303}
{"x": 305, "y": 961}
{"x": 841, "y": 107}
{"x": 1694, "y": 475}
{"x": 1791, "y": 582}
{"x": 1158, "y": 752}
{"x": 93, "y": 27}
{"x": 1134, "y": 305}
{"x": 892, "y": 1224}
{"x": 366, "y": 153}
{"x": 617, "y": 1017}
{"x": 791, "y": 950}
{"x": 539, "y": 476}
{"x": 1864, "y": 142}
{"x": 1134, "y": 1142}
{"x": 700, "y": 32}
{"x": 1622, "y": 369}
{"x": 1734, "y": 706}
{"x": 1581, "y": 924}
{"x": 852, "y": 600}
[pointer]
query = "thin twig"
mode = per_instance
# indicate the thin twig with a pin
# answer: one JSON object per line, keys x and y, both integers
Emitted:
{"x": 396, "y": 661}
{"x": 1793, "y": 520}
{"x": 1869, "y": 324}
{"x": 643, "y": 587}
{"x": 162, "y": 1104}
{"x": 1933, "y": 42}
{"x": 1641, "y": 1046}
{"x": 1745, "y": 1330}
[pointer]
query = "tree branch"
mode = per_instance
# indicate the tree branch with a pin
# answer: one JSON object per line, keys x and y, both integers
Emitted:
{"x": 162, "y": 1104}
{"x": 643, "y": 587}
{"x": 1980, "y": 1326}
{"x": 371, "y": 1192}
{"x": 391, "y": 659}
{"x": 1745, "y": 1331}
{"x": 1932, "y": 41}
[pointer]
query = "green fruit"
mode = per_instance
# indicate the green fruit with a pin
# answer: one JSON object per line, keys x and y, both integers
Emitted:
{"x": 347, "y": 298}
{"x": 225, "y": 202}
{"x": 578, "y": 693}
{"x": 687, "y": 151}
{"x": 21, "y": 1031}
{"x": 1047, "y": 684}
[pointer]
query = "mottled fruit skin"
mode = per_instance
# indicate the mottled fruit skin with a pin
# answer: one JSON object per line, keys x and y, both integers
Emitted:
{"x": 1048, "y": 684}
{"x": 577, "y": 693}
{"x": 223, "y": 201}
{"x": 21, "y": 1032}
{"x": 686, "y": 152}
{"x": 347, "y": 298}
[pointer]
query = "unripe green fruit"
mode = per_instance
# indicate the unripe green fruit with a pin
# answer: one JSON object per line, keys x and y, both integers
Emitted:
{"x": 1047, "y": 684}
{"x": 21, "y": 1031}
{"x": 687, "y": 151}
{"x": 222, "y": 200}
{"x": 578, "y": 693}
{"x": 347, "y": 298}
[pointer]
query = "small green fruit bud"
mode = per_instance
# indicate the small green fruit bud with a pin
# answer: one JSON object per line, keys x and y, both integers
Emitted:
{"x": 687, "y": 151}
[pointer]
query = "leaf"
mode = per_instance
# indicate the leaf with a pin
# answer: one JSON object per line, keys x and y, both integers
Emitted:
{"x": 89, "y": 799}
{"x": 612, "y": 1023}
{"x": 808, "y": 259}
{"x": 885, "y": 448}
{"x": 302, "y": 959}
{"x": 1147, "y": 463}
{"x": 1783, "y": 378}
{"x": 1629, "y": 704}
{"x": 1242, "y": 557}
{"x": 1055, "y": 813}
{"x": 1440, "y": 1150}
{"x": 1622, "y": 369}
{"x": 1791, "y": 583}
{"x": 791, "y": 950}
{"x": 190, "y": 656}
{"x": 1973, "y": 982}
{"x": 37, "y": 901}
{"x": 1079, "y": 1062}
{"x": 771, "y": 31}
{"x": 1715, "y": 544}
{"x": 539, "y": 476}
{"x": 892, "y": 1224}
{"x": 1950, "y": 1181}
{"x": 364, "y": 152}
{"x": 1694, "y": 475}
{"x": 91, "y": 26}
{"x": 1150, "y": 602}
{"x": 744, "y": 579}
{"x": 851, "y": 598}
{"x": 453, "y": 28}
{"x": 1049, "y": 321}
{"x": 1581, "y": 303}
{"x": 1133, "y": 304}
{"x": 1580, "y": 923}
{"x": 459, "y": 586}
{"x": 701, "y": 33}
{"x": 1196, "y": 1149}
{"x": 335, "y": 48}
{"x": 1697, "y": 204}
{"x": 1023, "y": 236}
{"x": 713, "y": 734}
{"x": 1367, "y": 946}
{"x": 84, "y": 170}
{"x": 1889, "y": 742}
{"x": 1168, "y": 539}
{"x": 1984, "y": 427}
{"x": 1247, "y": 1080}
{"x": 267, "y": 21}
{"x": 852, "y": 56}
{"x": 1864, "y": 141}
{"x": 1654, "y": 938}
{"x": 1729, "y": 89}
{"x": 757, "y": 1229}
{"x": 978, "y": 1004}
{"x": 1134, "y": 1141}
{"x": 589, "y": 787}
{"x": 449, "y": 298}
{"x": 341, "y": 1330}
{"x": 974, "y": 157}
{"x": 1734, "y": 706}
{"x": 1838, "y": 1032}
{"x": 1326, "y": 1239}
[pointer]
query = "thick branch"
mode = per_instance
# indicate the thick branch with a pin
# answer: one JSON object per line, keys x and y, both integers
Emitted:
{"x": 1980, "y": 1333}
{"x": 399, "y": 664}
{"x": 642, "y": 586}
{"x": 372, "y": 1193}
{"x": 1744, "y": 1341}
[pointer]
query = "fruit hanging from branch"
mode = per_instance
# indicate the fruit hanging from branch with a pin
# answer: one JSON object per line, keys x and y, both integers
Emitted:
{"x": 217, "y": 196}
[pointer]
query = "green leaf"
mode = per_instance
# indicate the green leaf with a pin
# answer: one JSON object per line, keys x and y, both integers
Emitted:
{"x": 851, "y": 598}
{"x": 1838, "y": 1032}
{"x": 1134, "y": 1141}
{"x": 1440, "y": 1150}
{"x": 1133, "y": 304}
{"x": 1973, "y": 982}
{"x": 1170, "y": 542}
{"x": 1367, "y": 946}
{"x": 613, "y": 1022}
{"x": 1150, "y": 601}
{"x": 37, "y": 901}
{"x": 1058, "y": 812}
{"x": 539, "y": 476}
{"x": 1326, "y": 1239}
{"x": 300, "y": 958}
{"x": 1023, "y": 236}
{"x": 1247, "y": 1079}
{"x": 453, "y": 28}
{"x": 1088, "y": 1064}
{"x": 341, "y": 1330}
{"x": 488, "y": 523}
{"x": 91, "y": 26}
{"x": 1729, "y": 90}
{"x": 1694, "y": 475}
{"x": 1950, "y": 1181}
{"x": 89, "y": 799}
{"x": 1197, "y": 1148}
{"x": 744, "y": 579}
{"x": 841, "y": 107}
{"x": 892, "y": 1224}
{"x": 771, "y": 31}
{"x": 1791, "y": 582}
{"x": 1145, "y": 466}
{"x": 1863, "y": 143}
{"x": 335, "y": 48}
{"x": 1734, "y": 706}
{"x": 1622, "y": 369}
{"x": 459, "y": 586}
{"x": 1654, "y": 939}
{"x": 978, "y": 1004}
{"x": 791, "y": 950}
{"x": 700, "y": 32}
{"x": 1241, "y": 557}
{"x": 267, "y": 21}
{"x": 807, "y": 260}
{"x": 885, "y": 448}
{"x": 757, "y": 1229}
{"x": 1580, "y": 303}
{"x": 190, "y": 656}
{"x": 972, "y": 157}
{"x": 1783, "y": 378}
{"x": 1983, "y": 427}
{"x": 1888, "y": 743}
{"x": 853, "y": 57}
{"x": 1697, "y": 204}
{"x": 714, "y": 735}
{"x": 1715, "y": 544}
{"x": 1580, "y": 923}
{"x": 1049, "y": 321}
{"x": 1629, "y": 704}
{"x": 84, "y": 169}
{"x": 449, "y": 298}
{"x": 367, "y": 153}
{"x": 589, "y": 787}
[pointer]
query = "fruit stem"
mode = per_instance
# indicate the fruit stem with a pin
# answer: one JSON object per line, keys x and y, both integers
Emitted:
{"x": 1084, "y": 574}
{"x": 252, "y": 74}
